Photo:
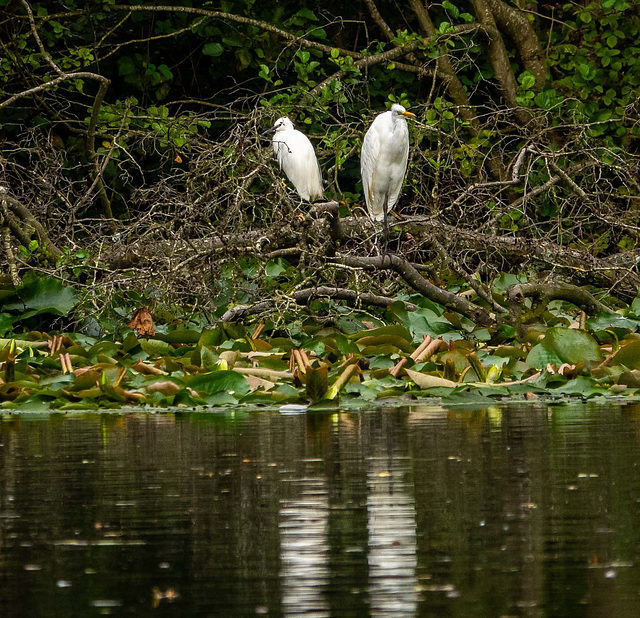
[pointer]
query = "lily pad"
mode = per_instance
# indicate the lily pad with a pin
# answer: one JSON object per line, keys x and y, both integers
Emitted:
{"x": 220, "y": 381}
{"x": 628, "y": 355}
{"x": 424, "y": 380}
{"x": 564, "y": 345}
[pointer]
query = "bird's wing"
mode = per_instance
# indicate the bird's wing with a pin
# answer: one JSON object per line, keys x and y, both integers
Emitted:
{"x": 298, "y": 161}
{"x": 399, "y": 169}
{"x": 368, "y": 159}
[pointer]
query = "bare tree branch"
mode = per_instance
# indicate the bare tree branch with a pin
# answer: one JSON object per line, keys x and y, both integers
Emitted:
{"x": 416, "y": 281}
{"x": 303, "y": 297}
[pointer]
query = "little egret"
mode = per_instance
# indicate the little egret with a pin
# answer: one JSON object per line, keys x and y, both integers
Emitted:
{"x": 297, "y": 159}
{"x": 383, "y": 162}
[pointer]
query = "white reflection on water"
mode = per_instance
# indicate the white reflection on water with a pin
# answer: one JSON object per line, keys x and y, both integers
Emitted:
{"x": 304, "y": 549}
{"x": 391, "y": 515}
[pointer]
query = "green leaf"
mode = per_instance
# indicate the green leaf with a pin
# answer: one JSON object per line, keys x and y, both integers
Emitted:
{"x": 180, "y": 336}
{"x": 317, "y": 382}
{"x": 275, "y": 267}
{"x": 307, "y": 14}
{"x": 527, "y": 80}
{"x": 582, "y": 385}
{"x": 6, "y": 323}
{"x": 394, "y": 329}
{"x": 220, "y": 381}
{"x": 540, "y": 357}
{"x": 424, "y": 380}
{"x": 452, "y": 9}
{"x": 213, "y": 49}
{"x": 126, "y": 66}
{"x": 572, "y": 346}
{"x": 155, "y": 348}
{"x": 564, "y": 345}
{"x": 44, "y": 295}
{"x": 628, "y": 355}
{"x": 370, "y": 344}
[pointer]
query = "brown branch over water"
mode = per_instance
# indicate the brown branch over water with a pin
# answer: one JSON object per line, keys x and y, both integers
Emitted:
{"x": 415, "y": 280}
{"x": 547, "y": 291}
{"x": 303, "y": 297}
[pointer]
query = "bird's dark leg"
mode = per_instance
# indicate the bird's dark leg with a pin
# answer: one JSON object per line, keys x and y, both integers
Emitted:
{"x": 385, "y": 228}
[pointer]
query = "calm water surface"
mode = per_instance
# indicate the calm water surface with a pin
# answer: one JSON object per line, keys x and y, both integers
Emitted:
{"x": 422, "y": 511}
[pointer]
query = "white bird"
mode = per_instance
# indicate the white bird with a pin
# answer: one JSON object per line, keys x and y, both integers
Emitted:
{"x": 383, "y": 162}
{"x": 297, "y": 159}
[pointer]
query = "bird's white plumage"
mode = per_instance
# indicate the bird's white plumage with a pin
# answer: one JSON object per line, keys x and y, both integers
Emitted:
{"x": 383, "y": 160}
{"x": 297, "y": 159}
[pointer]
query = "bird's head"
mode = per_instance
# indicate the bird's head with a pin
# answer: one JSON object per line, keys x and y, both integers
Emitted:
{"x": 282, "y": 124}
{"x": 401, "y": 111}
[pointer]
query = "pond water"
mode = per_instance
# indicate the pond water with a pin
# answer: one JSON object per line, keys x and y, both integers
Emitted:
{"x": 419, "y": 511}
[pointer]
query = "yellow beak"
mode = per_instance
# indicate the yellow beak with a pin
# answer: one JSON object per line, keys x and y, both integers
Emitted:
{"x": 408, "y": 114}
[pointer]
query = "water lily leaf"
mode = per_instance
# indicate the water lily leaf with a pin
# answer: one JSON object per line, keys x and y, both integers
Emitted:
{"x": 605, "y": 321}
{"x": 187, "y": 397}
{"x": 256, "y": 383}
{"x": 23, "y": 343}
{"x": 628, "y": 355}
{"x": 630, "y": 378}
{"x": 79, "y": 405}
{"x": 287, "y": 390}
{"x": 582, "y": 385}
{"x": 470, "y": 398}
{"x": 540, "y": 357}
{"x": 394, "y": 330}
{"x": 6, "y": 323}
{"x": 324, "y": 405}
{"x": 343, "y": 345}
{"x": 221, "y": 399}
{"x": 372, "y": 342}
{"x": 260, "y": 345}
{"x": 166, "y": 387}
{"x": 88, "y": 393}
{"x": 209, "y": 358}
{"x": 424, "y": 321}
{"x": 86, "y": 379}
{"x": 212, "y": 337}
{"x": 218, "y": 381}
{"x": 180, "y": 336}
{"x": 424, "y": 380}
{"x": 43, "y": 295}
{"x": 458, "y": 358}
{"x": 155, "y": 347}
{"x": 572, "y": 346}
{"x": 317, "y": 382}
{"x": 57, "y": 381}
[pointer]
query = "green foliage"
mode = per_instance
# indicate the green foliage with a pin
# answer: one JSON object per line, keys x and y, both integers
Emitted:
{"x": 594, "y": 62}
{"x": 35, "y": 303}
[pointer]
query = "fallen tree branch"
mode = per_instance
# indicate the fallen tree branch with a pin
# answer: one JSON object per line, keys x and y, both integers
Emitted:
{"x": 415, "y": 280}
{"x": 303, "y": 297}
{"x": 617, "y": 272}
{"x": 6, "y": 238}
{"x": 546, "y": 291}
{"x": 19, "y": 209}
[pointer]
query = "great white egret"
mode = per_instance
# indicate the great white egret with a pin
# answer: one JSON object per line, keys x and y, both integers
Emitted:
{"x": 297, "y": 159}
{"x": 383, "y": 162}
